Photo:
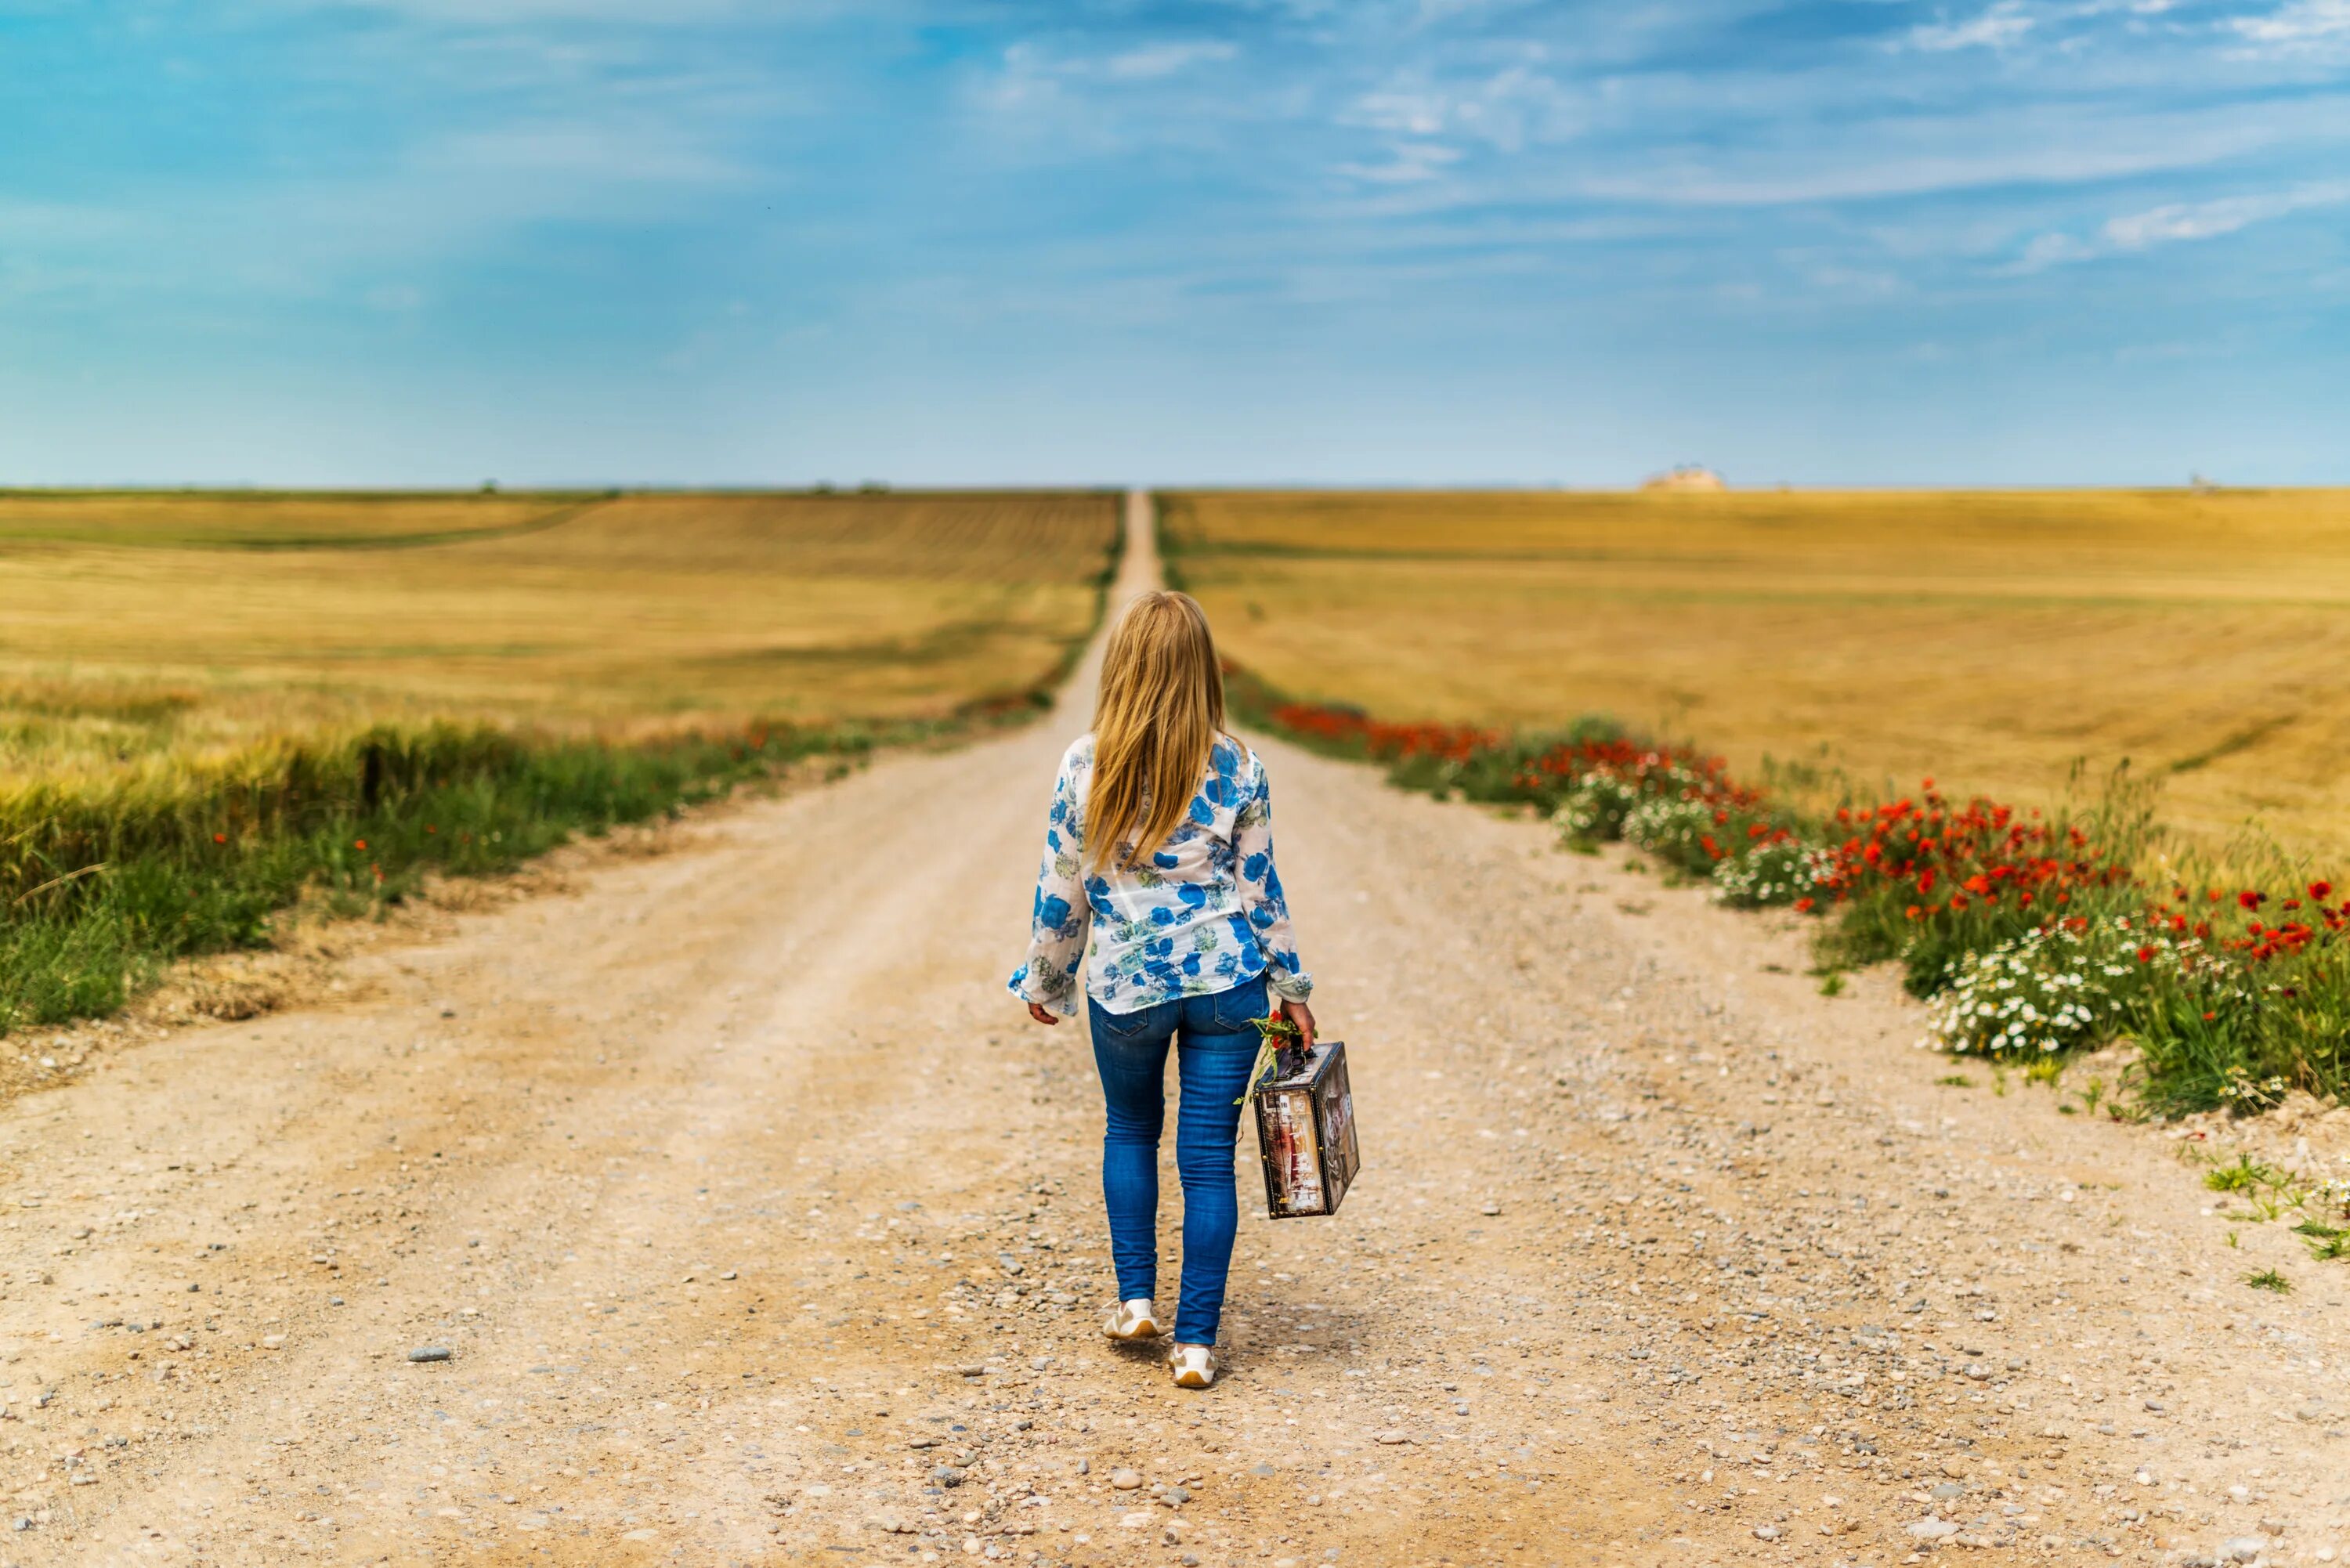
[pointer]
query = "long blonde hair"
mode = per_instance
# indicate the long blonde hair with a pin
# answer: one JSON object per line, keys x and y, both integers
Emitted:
{"x": 1160, "y": 708}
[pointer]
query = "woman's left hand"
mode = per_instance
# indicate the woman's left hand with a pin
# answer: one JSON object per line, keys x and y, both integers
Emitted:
{"x": 1037, "y": 1011}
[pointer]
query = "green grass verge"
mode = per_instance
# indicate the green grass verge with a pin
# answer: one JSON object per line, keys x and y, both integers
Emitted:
{"x": 104, "y": 889}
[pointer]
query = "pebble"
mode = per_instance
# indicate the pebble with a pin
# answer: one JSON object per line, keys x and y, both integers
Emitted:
{"x": 2242, "y": 1548}
{"x": 1766, "y": 1532}
{"x": 947, "y": 1476}
{"x": 1125, "y": 1480}
{"x": 429, "y": 1352}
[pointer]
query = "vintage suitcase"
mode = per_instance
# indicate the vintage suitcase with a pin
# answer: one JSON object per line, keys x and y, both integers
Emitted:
{"x": 1305, "y": 1130}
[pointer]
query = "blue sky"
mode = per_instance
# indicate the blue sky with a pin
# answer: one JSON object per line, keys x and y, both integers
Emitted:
{"x": 988, "y": 240}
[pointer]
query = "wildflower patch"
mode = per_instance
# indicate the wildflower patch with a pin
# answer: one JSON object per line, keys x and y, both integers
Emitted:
{"x": 2027, "y": 933}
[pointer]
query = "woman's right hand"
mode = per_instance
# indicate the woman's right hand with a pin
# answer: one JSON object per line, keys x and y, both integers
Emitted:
{"x": 1297, "y": 1012}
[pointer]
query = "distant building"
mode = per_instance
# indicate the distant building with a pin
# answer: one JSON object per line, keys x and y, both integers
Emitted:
{"x": 1688, "y": 477}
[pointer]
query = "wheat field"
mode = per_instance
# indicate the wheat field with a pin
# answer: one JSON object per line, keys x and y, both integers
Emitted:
{"x": 143, "y": 628}
{"x": 1989, "y": 639}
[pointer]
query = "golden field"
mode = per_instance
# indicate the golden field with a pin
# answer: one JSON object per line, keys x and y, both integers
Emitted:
{"x": 1988, "y": 639}
{"x": 150, "y": 627}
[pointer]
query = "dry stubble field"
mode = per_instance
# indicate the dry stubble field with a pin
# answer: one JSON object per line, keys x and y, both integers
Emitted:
{"x": 1988, "y": 639}
{"x": 215, "y": 706}
{"x": 154, "y": 626}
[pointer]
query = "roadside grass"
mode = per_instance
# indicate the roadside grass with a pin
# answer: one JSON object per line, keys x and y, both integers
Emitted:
{"x": 213, "y": 707}
{"x": 2032, "y": 936}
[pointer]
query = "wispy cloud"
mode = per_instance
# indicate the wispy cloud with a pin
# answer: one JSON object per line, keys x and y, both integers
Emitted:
{"x": 1163, "y": 59}
{"x": 2318, "y": 29}
{"x": 2175, "y": 221}
{"x": 2006, "y": 23}
{"x": 1509, "y": 108}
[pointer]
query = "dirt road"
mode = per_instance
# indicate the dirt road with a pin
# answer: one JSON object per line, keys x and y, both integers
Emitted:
{"x": 758, "y": 1226}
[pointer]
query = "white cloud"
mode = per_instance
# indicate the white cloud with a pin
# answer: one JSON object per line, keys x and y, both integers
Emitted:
{"x": 1506, "y": 109}
{"x": 1154, "y": 61}
{"x": 2175, "y": 221}
{"x": 1403, "y": 112}
{"x": 1035, "y": 78}
{"x": 2205, "y": 220}
{"x": 2303, "y": 27}
{"x": 2002, "y": 25}
{"x": 2051, "y": 250}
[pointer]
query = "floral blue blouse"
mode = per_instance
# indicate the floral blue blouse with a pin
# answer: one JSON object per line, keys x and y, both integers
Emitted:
{"x": 1203, "y": 914}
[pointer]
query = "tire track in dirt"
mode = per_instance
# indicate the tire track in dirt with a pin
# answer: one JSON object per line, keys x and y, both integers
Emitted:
{"x": 760, "y": 1227}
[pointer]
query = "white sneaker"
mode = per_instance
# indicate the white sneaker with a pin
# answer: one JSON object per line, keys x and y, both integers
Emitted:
{"x": 1194, "y": 1364}
{"x": 1137, "y": 1319}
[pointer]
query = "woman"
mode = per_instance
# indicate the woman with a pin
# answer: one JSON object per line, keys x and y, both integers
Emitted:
{"x": 1160, "y": 839}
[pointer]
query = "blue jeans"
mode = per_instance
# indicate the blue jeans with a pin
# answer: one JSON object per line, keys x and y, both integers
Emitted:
{"x": 1215, "y": 1048}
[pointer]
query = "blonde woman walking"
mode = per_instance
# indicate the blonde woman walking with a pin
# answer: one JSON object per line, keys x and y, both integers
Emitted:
{"x": 1160, "y": 843}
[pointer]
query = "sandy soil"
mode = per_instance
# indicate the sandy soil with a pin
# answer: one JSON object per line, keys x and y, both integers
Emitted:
{"x": 759, "y": 1226}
